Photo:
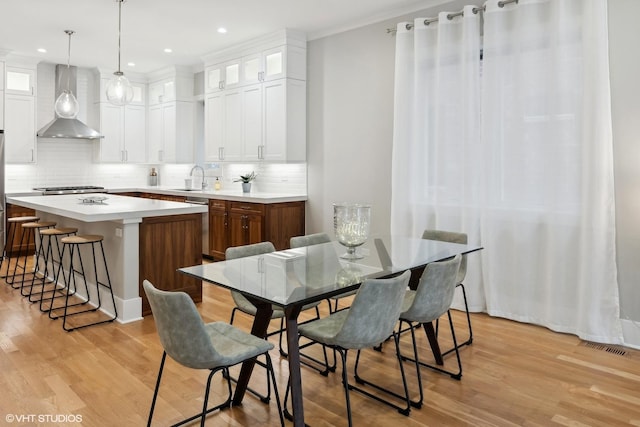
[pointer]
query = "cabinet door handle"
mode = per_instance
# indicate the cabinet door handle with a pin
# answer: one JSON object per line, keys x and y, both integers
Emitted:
{"x": 220, "y": 153}
{"x": 32, "y": 155}
{"x": 261, "y": 152}
{"x": 221, "y": 84}
{"x": 161, "y": 155}
{"x": 261, "y": 76}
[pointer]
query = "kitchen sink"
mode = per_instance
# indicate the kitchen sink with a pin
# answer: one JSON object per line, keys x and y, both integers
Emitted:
{"x": 185, "y": 189}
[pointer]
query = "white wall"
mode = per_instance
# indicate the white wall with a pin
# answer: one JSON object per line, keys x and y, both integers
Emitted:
{"x": 350, "y": 122}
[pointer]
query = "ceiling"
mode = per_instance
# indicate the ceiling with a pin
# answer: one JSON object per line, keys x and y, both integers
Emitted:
{"x": 188, "y": 27}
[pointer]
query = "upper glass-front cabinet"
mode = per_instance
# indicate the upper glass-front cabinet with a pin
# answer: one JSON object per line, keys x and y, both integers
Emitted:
{"x": 273, "y": 64}
{"x": 20, "y": 81}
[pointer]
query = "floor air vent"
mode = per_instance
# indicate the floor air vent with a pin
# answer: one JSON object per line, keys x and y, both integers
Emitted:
{"x": 620, "y": 351}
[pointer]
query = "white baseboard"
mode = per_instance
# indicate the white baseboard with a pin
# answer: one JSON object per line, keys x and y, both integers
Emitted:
{"x": 631, "y": 333}
{"x": 129, "y": 310}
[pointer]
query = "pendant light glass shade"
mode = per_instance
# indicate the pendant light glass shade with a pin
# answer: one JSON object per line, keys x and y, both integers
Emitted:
{"x": 119, "y": 90}
{"x": 67, "y": 105}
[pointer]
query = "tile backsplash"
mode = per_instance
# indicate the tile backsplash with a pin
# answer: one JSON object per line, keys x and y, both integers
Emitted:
{"x": 70, "y": 162}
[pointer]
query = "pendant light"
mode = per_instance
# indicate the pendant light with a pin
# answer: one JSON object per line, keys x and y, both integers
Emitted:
{"x": 67, "y": 105}
{"x": 119, "y": 90}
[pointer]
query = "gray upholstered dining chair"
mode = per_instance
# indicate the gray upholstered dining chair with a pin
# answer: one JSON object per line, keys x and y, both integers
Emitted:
{"x": 244, "y": 305}
{"x": 370, "y": 320}
{"x": 189, "y": 341}
{"x": 455, "y": 237}
{"x": 316, "y": 239}
{"x": 431, "y": 300}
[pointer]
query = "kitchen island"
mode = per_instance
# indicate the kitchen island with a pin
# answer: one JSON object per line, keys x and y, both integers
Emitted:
{"x": 143, "y": 239}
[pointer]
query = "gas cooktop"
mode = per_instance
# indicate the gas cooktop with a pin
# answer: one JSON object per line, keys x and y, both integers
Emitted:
{"x": 78, "y": 189}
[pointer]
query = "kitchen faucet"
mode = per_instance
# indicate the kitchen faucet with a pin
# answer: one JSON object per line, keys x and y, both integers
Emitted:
{"x": 203, "y": 185}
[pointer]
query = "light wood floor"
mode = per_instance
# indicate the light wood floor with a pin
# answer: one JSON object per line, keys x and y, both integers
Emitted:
{"x": 514, "y": 374}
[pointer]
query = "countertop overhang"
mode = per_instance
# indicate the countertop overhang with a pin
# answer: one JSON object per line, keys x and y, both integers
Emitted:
{"x": 114, "y": 208}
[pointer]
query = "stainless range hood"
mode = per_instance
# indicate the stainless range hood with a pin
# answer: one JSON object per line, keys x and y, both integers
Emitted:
{"x": 67, "y": 128}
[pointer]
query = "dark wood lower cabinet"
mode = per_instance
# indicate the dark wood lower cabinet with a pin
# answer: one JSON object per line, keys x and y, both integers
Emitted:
{"x": 234, "y": 223}
{"x": 166, "y": 244}
{"x": 13, "y": 211}
{"x": 282, "y": 222}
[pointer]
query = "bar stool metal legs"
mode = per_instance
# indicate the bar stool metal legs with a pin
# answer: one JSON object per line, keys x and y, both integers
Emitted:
{"x": 12, "y": 233}
{"x": 30, "y": 231}
{"x": 77, "y": 273}
{"x": 52, "y": 261}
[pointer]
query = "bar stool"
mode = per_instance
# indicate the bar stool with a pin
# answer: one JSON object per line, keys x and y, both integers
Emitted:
{"x": 74, "y": 243}
{"x": 54, "y": 257}
{"x": 28, "y": 235}
{"x": 31, "y": 231}
{"x": 12, "y": 224}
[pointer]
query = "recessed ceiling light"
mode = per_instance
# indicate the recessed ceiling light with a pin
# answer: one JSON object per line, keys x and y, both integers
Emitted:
{"x": 42, "y": 50}
{"x": 168, "y": 50}
{"x": 131, "y": 64}
{"x": 222, "y": 30}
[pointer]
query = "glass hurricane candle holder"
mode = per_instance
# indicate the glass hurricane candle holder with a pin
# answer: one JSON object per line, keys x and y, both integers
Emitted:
{"x": 351, "y": 224}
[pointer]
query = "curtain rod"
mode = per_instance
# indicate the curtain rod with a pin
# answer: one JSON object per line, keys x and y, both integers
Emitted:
{"x": 450, "y": 16}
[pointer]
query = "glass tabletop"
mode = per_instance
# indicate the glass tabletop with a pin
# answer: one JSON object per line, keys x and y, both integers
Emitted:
{"x": 313, "y": 273}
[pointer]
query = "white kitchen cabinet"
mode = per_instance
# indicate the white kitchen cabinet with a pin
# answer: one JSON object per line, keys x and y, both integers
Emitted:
{"x": 284, "y": 61}
{"x": 223, "y": 129}
{"x": 275, "y": 122}
{"x": 20, "y": 128}
{"x": 213, "y": 78}
{"x": 171, "y": 132}
{"x": 123, "y": 128}
{"x": 262, "y": 114}
{"x": 162, "y": 91}
{"x": 252, "y": 122}
{"x": 224, "y": 75}
{"x": 20, "y": 81}
{"x": 139, "y": 90}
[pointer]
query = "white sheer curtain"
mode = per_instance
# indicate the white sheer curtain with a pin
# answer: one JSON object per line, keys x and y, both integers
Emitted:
{"x": 540, "y": 162}
{"x": 437, "y": 98}
{"x": 548, "y": 203}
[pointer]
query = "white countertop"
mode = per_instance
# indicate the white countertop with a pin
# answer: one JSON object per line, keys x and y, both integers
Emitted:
{"x": 233, "y": 195}
{"x": 113, "y": 208}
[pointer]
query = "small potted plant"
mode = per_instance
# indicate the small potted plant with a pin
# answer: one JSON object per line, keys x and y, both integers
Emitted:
{"x": 246, "y": 181}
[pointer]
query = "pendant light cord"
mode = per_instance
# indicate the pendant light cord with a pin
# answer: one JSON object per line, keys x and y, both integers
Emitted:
{"x": 69, "y": 33}
{"x": 119, "y": 30}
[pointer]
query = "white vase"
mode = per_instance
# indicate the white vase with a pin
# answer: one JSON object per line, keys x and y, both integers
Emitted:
{"x": 246, "y": 187}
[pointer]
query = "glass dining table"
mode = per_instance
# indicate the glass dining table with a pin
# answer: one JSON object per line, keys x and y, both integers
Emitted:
{"x": 293, "y": 278}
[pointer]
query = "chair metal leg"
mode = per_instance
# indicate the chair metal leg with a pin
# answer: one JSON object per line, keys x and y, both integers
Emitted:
{"x": 345, "y": 383}
{"x": 454, "y": 375}
{"x": 263, "y": 398}
{"x": 327, "y": 368}
{"x": 418, "y": 403}
{"x": 155, "y": 392}
{"x": 205, "y": 409}
{"x": 405, "y": 398}
{"x": 275, "y": 388}
{"x": 469, "y": 340}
